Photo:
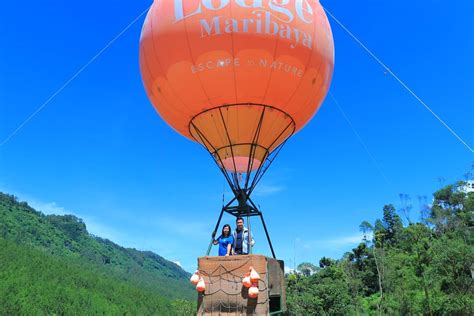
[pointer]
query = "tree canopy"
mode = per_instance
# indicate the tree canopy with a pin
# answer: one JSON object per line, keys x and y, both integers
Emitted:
{"x": 424, "y": 267}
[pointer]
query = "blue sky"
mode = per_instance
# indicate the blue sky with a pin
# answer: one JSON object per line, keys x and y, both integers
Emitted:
{"x": 99, "y": 150}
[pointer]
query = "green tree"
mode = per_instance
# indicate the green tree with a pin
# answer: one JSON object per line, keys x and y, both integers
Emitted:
{"x": 307, "y": 268}
{"x": 392, "y": 224}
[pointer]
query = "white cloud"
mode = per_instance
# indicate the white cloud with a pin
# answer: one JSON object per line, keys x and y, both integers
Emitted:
{"x": 48, "y": 207}
{"x": 52, "y": 208}
{"x": 177, "y": 225}
{"x": 265, "y": 189}
{"x": 184, "y": 227}
{"x": 169, "y": 244}
{"x": 346, "y": 240}
{"x": 289, "y": 270}
{"x": 98, "y": 229}
{"x": 336, "y": 242}
{"x": 44, "y": 207}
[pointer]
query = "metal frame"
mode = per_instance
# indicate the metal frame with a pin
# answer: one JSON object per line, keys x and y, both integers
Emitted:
{"x": 247, "y": 180}
{"x": 245, "y": 208}
{"x": 243, "y": 184}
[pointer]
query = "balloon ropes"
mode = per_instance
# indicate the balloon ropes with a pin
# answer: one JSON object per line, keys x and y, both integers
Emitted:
{"x": 239, "y": 77}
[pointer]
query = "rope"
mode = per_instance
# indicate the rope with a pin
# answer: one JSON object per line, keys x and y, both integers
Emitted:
{"x": 71, "y": 79}
{"x": 224, "y": 268}
{"x": 401, "y": 82}
{"x": 361, "y": 141}
{"x": 222, "y": 273}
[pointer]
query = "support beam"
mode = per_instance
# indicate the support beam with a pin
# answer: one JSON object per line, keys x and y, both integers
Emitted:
{"x": 213, "y": 235}
{"x": 268, "y": 236}
{"x": 245, "y": 208}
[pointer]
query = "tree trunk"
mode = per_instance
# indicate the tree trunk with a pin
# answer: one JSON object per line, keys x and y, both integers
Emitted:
{"x": 427, "y": 296}
{"x": 379, "y": 274}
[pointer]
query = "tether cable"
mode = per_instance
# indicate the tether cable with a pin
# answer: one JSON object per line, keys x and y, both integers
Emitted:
{"x": 71, "y": 79}
{"x": 359, "y": 137}
{"x": 401, "y": 82}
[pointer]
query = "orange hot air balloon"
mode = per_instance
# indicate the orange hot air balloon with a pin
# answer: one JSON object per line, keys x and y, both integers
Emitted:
{"x": 237, "y": 76}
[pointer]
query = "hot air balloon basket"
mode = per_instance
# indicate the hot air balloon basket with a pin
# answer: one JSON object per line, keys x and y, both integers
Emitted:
{"x": 225, "y": 293}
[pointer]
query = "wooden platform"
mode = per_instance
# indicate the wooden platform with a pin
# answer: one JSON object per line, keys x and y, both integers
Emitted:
{"x": 225, "y": 294}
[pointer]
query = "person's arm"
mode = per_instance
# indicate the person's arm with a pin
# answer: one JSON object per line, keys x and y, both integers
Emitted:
{"x": 233, "y": 245}
{"x": 252, "y": 241}
{"x": 230, "y": 245}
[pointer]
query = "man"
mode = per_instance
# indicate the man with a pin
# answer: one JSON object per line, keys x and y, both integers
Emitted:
{"x": 241, "y": 238}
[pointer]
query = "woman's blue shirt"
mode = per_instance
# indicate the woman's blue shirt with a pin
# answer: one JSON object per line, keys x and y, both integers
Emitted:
{"x": 223, "y": 243}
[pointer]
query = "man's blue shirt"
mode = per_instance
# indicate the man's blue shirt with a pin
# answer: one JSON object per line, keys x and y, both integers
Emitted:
{"x": 238, "y": 242}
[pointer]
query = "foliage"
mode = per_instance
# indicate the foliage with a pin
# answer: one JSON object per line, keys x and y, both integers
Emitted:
{"x": 35, "y": 283}
{"x": 184, "y": 307}
{"x": 307, "y": 268}
{"x": 423, "y": 268}
{"x": 67, "y": 236}
{"x": 52, "y": 265}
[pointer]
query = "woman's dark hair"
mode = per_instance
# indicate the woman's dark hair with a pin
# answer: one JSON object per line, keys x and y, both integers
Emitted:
{"x": 230, "y": 230}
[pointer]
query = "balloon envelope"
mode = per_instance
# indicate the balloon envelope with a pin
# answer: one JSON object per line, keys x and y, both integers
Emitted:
{"x": 237, "y": 76}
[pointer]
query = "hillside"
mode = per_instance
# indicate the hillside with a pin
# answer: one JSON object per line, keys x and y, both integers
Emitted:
{"x": 66, "y": 237}
{"x": 35, "y": 283}
{"x": 404, "y": 266}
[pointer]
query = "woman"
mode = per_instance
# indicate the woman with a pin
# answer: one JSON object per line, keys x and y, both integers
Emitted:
{"x": 225, "y": 241}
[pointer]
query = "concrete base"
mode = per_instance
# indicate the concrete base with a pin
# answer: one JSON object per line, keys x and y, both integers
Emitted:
{"x": 225, "y": 294}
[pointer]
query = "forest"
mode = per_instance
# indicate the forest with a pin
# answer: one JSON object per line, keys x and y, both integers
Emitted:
{"x": 51, "y": 265}
{"x": 402, "y": 267}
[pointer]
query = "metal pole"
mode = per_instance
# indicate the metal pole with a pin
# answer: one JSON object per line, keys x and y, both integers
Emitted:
{"x": 264, "y": 227}
{"x": 268, "y": 236}
{"x": 217, "y": 227}
{"x": 249, "y": 238}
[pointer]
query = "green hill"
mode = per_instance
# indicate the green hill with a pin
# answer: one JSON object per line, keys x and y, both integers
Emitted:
{"x": 35, "y": 283}
{"x": 61, "y": 241}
